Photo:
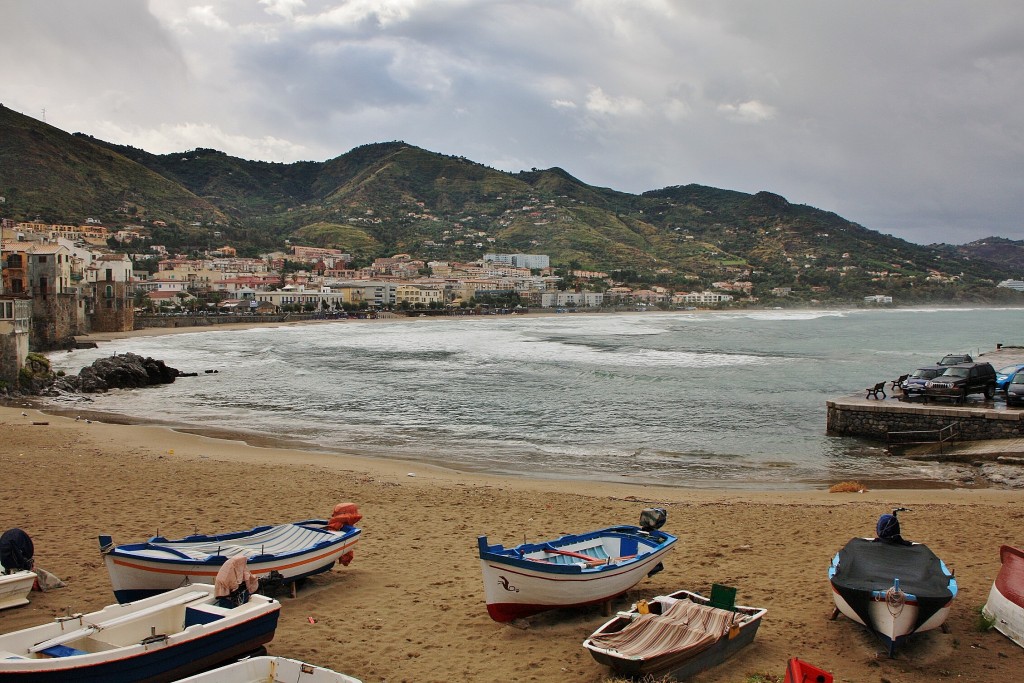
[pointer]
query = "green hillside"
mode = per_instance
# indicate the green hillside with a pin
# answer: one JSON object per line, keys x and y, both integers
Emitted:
{"x": 51, "y": 176}
{"x": 386, "y": 198}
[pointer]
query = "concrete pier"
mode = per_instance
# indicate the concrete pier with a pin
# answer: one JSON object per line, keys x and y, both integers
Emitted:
{"x": 890, "y": 419}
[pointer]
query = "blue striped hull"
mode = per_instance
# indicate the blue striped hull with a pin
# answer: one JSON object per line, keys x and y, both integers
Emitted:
{"x": 163, "y": 664}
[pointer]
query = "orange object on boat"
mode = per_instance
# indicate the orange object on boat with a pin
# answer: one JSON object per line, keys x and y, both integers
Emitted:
{"x": 802, "y": 672}
{"x": 344, "y": 513}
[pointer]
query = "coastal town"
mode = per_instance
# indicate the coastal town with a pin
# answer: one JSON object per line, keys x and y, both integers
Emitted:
{"x": 62, "y": 281}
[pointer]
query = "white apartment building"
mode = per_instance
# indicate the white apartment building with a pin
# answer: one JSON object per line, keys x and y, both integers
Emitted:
{"x": 529, "y": 261}
{"x": 570, "y": 298}
{"x": 705, "y": 298}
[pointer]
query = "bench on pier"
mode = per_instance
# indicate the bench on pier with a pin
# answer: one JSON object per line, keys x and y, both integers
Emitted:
{"x": 874, "y": 391}
{"x": 896, "y": 383}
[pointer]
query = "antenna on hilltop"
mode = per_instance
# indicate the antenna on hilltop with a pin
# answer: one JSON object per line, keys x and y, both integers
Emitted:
{"x": 44, "y": 114}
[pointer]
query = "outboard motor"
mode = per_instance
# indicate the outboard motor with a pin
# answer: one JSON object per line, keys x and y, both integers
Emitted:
{"x": 16, "y": 551}
{"x": 652, "y": 518}
{"x": 888, "y": 528}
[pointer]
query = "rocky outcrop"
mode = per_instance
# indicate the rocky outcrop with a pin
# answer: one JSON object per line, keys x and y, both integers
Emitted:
{"x": 124, "y": 371}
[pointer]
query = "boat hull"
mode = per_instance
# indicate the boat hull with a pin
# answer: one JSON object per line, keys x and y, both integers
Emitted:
{"x": 676, "y": 665}
{"x": 882, "y": 601}
{"x": 516, "y": 586}
{"x": 15, "y": 587}
{"x": 263, "y": 669}
{"x": 1005, "y": 605}
{"x": 892, "y": 629}
{"x": 165, "y": 658}
{"x": 135, "y": 572}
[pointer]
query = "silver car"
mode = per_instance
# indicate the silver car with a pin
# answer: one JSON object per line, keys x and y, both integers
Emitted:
{"x": 1015, "y": 390}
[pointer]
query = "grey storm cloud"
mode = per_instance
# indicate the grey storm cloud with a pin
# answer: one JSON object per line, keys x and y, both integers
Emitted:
{"x": 907, "y": 117}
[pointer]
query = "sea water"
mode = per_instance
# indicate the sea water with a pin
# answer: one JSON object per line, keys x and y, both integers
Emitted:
{"x": 734, "y": 399}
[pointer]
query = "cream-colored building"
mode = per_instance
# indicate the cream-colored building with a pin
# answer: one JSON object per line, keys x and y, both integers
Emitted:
{"x": 419, "y": 295}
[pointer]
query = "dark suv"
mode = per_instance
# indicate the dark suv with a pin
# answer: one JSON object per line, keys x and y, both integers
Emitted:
{"x": 955, "y": 359}
{"x": 957, "y": 381}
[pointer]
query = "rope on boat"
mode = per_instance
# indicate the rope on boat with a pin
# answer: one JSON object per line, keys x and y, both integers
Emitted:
{"x": 895, "y": 599}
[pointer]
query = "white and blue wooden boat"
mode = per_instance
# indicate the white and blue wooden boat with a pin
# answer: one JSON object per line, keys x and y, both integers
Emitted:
{"x": 15, "y": 587}
{"x": 283, "y": 553}
{"x": 675, "y": 636}
{"x": 269, "y": 670}
{"x": 1005, "y": 605}
{"x": 571, "y": 571}
{"x": 161, "y": 638}
{"x": 893, "y": 587}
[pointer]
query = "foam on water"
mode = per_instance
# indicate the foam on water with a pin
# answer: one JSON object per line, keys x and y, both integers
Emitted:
{"x": 733, "y": 398}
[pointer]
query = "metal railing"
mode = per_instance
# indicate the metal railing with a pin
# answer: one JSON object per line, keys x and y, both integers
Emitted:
{"x": 924, "y": 436}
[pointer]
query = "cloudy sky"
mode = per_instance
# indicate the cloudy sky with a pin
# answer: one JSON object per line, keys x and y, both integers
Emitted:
{"x": 906, "y": 116}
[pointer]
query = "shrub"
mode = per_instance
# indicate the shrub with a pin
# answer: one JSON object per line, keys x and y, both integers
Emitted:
{"x": 985, "y": 622}
{"x": 847, "y": 487}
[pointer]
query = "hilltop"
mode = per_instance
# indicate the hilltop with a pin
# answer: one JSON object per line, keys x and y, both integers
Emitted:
{"x": 385, "y": 198}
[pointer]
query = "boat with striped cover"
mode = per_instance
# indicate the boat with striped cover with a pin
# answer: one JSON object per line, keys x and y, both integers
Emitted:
{"x": 161, "y": 638}
{"x": 573, "y": 570}
{"x": 269, "y": 670}
{"x": 894, "y": 587}
{"x": 675, "y": 636}
{"x": 1005, "y": 605}
{"x": 284, "y": 553}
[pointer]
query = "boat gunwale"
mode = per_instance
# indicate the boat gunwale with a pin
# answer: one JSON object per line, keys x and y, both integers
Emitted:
{"x": 134, "y": 551}
{"x": 515, "y": 556}
{"x": 264, "y": 608}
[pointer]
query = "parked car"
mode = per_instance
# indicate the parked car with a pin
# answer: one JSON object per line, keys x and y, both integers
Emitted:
{"x": 1015, "y": 390}
{"x": 958, "y": 381}
{"x": 1004, "y": 375}
{"x": 913, "y": 385}
{"x": 955, "y": 359}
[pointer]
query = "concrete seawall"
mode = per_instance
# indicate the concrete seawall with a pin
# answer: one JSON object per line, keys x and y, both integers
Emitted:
{"x": 873, "y": 419}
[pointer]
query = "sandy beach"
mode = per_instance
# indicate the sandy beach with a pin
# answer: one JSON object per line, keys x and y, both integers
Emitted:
{"x": 410, "y": 607}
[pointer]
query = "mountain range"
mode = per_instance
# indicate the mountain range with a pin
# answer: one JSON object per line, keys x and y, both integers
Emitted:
{"x": 386, "y": 198}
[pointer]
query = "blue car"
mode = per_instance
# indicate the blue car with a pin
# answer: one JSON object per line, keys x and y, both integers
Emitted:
{"x": 1003, "y": 375}
{"x": 913, "y": 385}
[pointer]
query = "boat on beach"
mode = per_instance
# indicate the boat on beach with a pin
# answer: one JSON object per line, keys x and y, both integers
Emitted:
{"x": 269, "y": 670}
{"x": 15, "y": 587}
{"x": 16, "y": 562}
{"x": 161, "y": 638}
{"x": 282, "y": 553}
{"x": 573, "y": 570}
{"x": 894, "y": 587}
{"x": 1005, "y": 605}
{"x": 675, "y": 636}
